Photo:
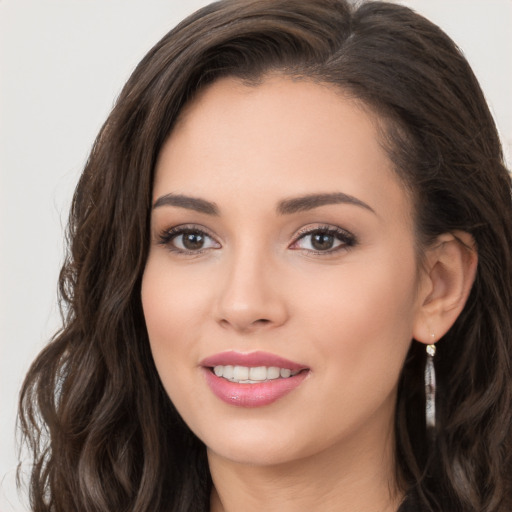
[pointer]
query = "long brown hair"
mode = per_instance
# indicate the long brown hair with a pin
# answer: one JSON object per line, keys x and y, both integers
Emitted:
{"x": 104, "y": 434}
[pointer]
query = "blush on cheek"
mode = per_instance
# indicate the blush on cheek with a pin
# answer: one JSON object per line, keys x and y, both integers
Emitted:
{"x": 369, "y": 324}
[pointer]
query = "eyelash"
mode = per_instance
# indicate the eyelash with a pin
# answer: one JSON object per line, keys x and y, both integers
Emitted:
{"x": 347, "y": 239}
{"x": 167, "y": 236}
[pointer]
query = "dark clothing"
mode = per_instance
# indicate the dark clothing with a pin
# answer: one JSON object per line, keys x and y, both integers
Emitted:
{"x": 411, "y": 503}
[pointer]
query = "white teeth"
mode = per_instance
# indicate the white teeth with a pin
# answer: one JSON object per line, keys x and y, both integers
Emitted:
{"x": 240, "y": 373}
{"x": 252, "y": 375}
{"x": 227, "y": 373}
{"x": 273, "y": 372}
{"x": 258, "y": 373}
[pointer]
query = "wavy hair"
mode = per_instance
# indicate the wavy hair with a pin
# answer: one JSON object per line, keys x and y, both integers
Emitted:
{"x": 104, "y": 434}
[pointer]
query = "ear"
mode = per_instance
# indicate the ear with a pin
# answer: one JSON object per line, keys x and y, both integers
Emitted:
{"x": 448, "y": 276}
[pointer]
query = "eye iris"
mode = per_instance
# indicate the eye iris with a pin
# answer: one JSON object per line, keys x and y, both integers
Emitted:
{"x": 322, "y": 241}
{"x": 192, "y": 240}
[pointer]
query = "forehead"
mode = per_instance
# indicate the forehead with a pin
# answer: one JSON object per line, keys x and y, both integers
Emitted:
{"x": 277, "y": 139}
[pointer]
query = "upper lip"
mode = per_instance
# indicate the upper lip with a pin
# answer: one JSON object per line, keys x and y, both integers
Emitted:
{"x": 250, "y": 359}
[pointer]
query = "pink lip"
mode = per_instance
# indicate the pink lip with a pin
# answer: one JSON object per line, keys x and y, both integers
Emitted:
{"x": 251, "y": 395}
{"x": 251, "y": 359}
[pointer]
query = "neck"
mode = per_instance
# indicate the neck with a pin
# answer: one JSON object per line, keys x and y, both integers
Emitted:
{"x": 349, "y": 477}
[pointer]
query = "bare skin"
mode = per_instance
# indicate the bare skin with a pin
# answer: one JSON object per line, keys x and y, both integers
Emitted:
{"x": 360, "y": 482}
{"x": 241, "y": 263}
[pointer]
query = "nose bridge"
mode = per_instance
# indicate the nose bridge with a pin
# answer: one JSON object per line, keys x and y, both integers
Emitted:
{"x": 250, "y": 295}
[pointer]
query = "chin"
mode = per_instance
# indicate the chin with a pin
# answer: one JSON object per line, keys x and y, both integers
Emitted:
{"x": 264, "y": 446}
{"x": 254, "y": 454}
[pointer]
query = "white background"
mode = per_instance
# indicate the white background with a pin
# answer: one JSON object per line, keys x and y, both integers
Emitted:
{"x": 62, "y": 64}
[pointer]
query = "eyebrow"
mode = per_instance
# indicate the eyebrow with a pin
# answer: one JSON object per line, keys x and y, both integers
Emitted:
{"x": 285, "y": 207}
{"x": 311, "y": 201}
{"x": 188, "y": 202}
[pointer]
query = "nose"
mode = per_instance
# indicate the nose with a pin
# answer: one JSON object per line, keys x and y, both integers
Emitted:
{"x": 252, "y": 296}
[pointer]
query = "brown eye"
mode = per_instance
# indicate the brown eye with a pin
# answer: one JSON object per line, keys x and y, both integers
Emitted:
{"x": 192, "y": 240}
{"x": 187, "y": 240}
{"x": 322, "y": 241}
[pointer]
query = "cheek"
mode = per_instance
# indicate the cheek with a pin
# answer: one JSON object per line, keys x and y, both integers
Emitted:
{"x": 361, "y": 326}
{"x": 173, "y": 299}
{"x": 173, "y": 312}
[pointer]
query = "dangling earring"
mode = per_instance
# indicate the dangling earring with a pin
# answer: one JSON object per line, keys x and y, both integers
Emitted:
{"x": 430, "y": 386}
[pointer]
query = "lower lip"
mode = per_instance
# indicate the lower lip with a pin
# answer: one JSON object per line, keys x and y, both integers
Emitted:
{"x": 252, "y": 395}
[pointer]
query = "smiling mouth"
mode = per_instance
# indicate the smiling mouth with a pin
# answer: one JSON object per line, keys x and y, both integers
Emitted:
{"x": 252, "y": 375}
{"x": 253, "y": 379}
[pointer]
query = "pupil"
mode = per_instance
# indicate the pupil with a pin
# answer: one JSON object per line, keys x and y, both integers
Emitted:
{"x": 193, "y": 241}
{"x": 322, "y": 241}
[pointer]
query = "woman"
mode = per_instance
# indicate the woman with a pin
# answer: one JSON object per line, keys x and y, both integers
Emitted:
{"x": 289, "y": 277}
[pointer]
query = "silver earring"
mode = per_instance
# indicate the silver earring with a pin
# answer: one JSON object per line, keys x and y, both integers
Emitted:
{"x": 430, "y": 387}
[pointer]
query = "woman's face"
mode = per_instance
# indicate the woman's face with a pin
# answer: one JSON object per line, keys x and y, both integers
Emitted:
{"x": 280, "y": 288}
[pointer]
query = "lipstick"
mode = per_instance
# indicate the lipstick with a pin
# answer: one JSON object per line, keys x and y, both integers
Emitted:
{"x": 251, "y": 379}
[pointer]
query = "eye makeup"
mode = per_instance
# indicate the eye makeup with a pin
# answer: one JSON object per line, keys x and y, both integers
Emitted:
{"x": 323, "y": 240}
{"x": 190, "y": 239}
{"x": 187, "y": 239}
